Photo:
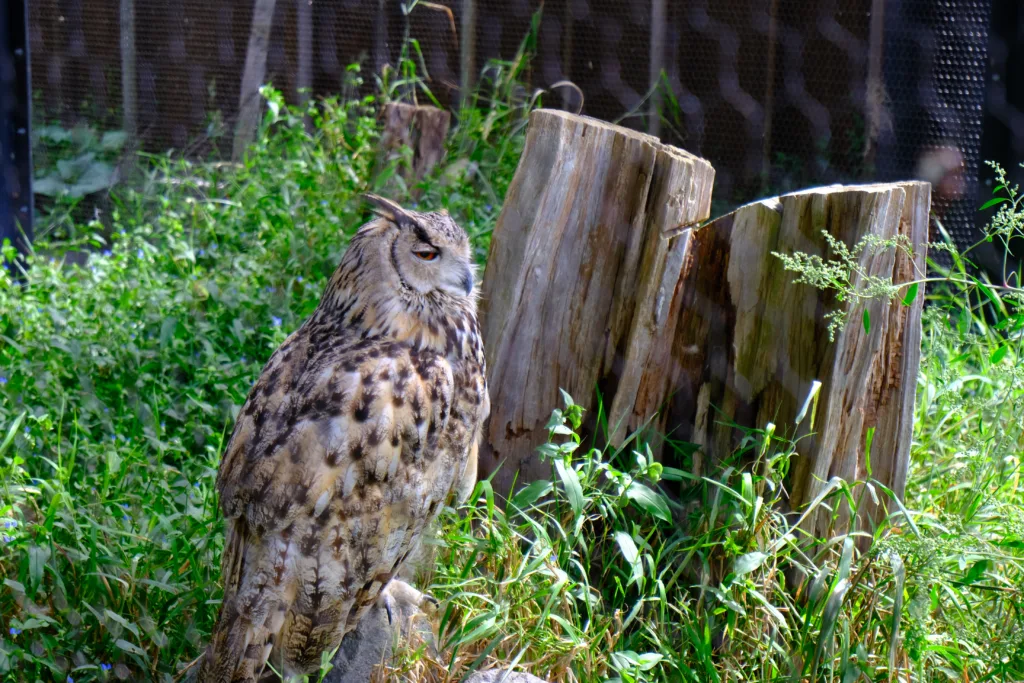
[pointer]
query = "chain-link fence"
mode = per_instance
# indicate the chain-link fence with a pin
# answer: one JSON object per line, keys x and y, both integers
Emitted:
{"x": 777, "y": 94}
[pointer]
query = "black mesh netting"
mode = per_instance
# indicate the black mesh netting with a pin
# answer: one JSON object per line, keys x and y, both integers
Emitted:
{"x": 777, "y": 94}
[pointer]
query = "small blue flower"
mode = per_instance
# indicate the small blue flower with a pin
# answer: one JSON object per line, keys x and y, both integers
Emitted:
{"x": 125, "y": 505}
{"x": 163, "y": 425}
{"x": 3, "y": 379}
{"x": 196, "y": 484}
{"x": 15, "y": 631}
{"x": 107, "y": 252}
{"x": 7, "y": 539}
{"x": 271, "y": 289}
{"x": 275, "y": 320}
{"x": 28, "y": 430}
{"x": 71, "y": 680}
{"x": 488, "y": 207}
{"x": 132, "y": 335}
{"x": 244, "y": 359}
{"x": 10, "y": 524}
{"x": 298, "y": 279}
{"x": 106, "y": 410}
{"x": 213, "y": 247}
{"x": 125, "y": 517}
{"x": 323, "y": 202}
{"x": 201, "y": 252}
{"x": 123, "y": 232}
{"x": 141, "y": 253}
{"x": 105, "y": 666}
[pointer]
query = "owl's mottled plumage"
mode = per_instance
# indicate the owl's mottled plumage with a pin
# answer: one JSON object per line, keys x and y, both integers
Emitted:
{"x": 361, "y": 426}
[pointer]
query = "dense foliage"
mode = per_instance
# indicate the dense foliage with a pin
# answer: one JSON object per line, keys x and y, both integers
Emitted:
{"x": 120, "y": 377}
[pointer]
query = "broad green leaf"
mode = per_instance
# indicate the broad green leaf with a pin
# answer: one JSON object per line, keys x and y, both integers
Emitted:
{"x": 49, "y": 186}
{"x": 999, "y": 354}
{"x": 130, "y": 647}
{"x": 650, "y": 501}
{"x": 911, "y": 294}
{"x": 12, "y": 431}
{"x": 99, "y": 175}
{"x": 555, "y": 420}
{"x": 648, "y": 660}
{"x": 869, "y": 438}
{"x": 71, "y": 169}
{"x": 531, "y": 493}
{"x": 846, "y": 559}
{"x": 571, "y": 483}
{"x": 976, "y": 571}
{"x": 747, "y": 563}
{"x": 992, "y": 202}
{"x": 113, "y": 616}
{"x": 167, "y": 331}
{"x": 113, "y": 140}
{"x": 829, "y": 618}
{"x": 629, "y": 553}
{"x": 38, "y": 556}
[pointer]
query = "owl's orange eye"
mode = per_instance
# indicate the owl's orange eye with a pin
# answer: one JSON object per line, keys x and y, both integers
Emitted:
{"x": 426, "y": 255}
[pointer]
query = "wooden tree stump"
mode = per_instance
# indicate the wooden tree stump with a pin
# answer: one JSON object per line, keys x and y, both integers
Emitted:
{"x": 747, "y": 343}
{"x": 583, "y": 261}
{"x": 421, "y": 129}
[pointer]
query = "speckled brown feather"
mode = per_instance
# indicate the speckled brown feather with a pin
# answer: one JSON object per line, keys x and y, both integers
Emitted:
{"x": 361, "y": 426}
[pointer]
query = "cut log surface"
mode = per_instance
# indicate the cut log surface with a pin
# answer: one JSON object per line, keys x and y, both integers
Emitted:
{"x": 422, "y": 129}
{"x": 748, "y": 344}
{"x": 583, "y": 263}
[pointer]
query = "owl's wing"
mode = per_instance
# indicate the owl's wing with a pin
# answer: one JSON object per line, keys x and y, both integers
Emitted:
{"x": 308, "y": 437}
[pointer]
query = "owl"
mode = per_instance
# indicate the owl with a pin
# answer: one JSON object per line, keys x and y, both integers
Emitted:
{"x": 364, "y": 422}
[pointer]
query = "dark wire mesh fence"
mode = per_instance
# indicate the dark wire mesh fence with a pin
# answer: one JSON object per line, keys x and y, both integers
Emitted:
{"x": 777, "y": 94}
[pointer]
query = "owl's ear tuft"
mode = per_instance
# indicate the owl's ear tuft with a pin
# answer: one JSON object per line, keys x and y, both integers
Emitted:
{"x": 385, "y": 208}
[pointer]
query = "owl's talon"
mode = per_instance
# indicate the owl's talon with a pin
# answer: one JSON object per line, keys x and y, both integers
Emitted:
{"x": 389, "y": 605}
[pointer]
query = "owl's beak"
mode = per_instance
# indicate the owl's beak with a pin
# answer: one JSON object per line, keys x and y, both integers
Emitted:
{"x": 467, "y": 280}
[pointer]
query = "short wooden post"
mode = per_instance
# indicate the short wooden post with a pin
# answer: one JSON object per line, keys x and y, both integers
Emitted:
{"x": 748, "y": 343}
{"x": 422, "y": 129}
{"x": 584, "y": 257}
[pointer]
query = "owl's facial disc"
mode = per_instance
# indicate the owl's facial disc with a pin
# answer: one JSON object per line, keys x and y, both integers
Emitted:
{"x": 433, "y": 255}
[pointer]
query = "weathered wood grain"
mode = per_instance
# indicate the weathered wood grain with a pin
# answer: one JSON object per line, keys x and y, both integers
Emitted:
{"x": 748, "y": 343}
{"x": 583, "y": 261}
{"x": 420, "y": 128}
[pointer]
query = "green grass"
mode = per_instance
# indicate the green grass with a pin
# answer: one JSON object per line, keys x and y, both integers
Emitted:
{"x": 119, "y": 382}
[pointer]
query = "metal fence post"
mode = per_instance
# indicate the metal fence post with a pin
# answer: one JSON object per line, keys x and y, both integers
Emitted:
{"x": 16, "y": 204}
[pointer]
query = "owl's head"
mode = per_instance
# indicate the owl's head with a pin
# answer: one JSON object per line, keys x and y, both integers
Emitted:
{"x": 429, "y": 252}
